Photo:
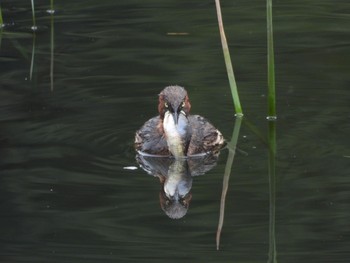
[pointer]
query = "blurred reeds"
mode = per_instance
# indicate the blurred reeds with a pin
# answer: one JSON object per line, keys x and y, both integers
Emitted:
{"x": 1, "y": 25}
{"x": 51, "y": 12}
{"x": 228, "y": 63}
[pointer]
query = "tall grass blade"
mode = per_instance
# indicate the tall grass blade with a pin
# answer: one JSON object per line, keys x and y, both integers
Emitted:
{"x": 1, "y": 19}
{"x": 231, "y": 154}
{"x": 270, "y": 64}
{"x": 227, "y": 57}
{"x": 272, "y": 191}
{"x": 34, "y": 27}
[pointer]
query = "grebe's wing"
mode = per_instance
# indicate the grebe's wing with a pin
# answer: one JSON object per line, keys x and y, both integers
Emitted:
{"x": 150, "y": 138}
{"x": 205, "y": 137}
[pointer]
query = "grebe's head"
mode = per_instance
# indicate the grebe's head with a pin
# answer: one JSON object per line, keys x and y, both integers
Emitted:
{"x": 174, "y": 100}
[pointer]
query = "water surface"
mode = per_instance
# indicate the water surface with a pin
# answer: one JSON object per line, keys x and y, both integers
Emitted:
{"x": 65, "y": 196}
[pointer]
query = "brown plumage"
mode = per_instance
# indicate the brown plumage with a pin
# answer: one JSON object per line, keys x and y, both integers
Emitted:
{"x": 176, "y": 132}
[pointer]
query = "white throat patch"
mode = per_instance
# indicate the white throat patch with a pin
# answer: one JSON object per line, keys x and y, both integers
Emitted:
{"x": 175, "y": 133}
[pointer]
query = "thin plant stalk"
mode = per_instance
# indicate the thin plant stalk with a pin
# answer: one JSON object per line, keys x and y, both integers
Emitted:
{"x": 231, "y": 154}
{"x": 227, "y": 57}
{"x": 34, "y": 27}
{"x": 52, "y": 50}
{"x": 51, "y": 11}
{"x": 270, "y": 64}
{"x": 272, "y": 192}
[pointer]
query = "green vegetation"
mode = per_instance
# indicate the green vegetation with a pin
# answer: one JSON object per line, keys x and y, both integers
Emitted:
{"x": 270, "y": 64}
{"x": 271, "y": 132}
{"x": 1, "y": 20}
{"x": 227, "y": 57}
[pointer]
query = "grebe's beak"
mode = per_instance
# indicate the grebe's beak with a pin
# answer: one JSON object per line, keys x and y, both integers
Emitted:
{"x": 176, "y": 114}
{"x": 176, "y": 117}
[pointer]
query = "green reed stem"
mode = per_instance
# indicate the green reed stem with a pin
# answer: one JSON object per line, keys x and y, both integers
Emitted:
{"x": 33, "y": 15}
{"x": 231, "y": 155}
{"x": 1, "y": 20}
{"x": 270, "y": 63}
{"x": 227, "y": 57}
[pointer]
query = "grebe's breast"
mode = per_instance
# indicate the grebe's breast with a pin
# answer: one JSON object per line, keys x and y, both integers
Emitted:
{"x": 202, "y": 137}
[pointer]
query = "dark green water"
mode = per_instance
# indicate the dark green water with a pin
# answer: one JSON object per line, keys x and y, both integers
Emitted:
{"x": 64, "y": 193}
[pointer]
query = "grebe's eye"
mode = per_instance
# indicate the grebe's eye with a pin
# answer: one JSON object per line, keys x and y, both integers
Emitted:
{"x": 166, "y": 105}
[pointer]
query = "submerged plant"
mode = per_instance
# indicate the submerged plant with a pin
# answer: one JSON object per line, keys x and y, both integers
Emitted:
{"x": 227, "y": 57}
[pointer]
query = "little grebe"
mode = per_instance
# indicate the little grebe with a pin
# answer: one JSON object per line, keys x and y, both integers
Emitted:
{"x": 175, "y": 132}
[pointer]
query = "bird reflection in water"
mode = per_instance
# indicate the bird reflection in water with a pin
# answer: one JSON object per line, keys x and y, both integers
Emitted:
{"x": 175, "y": 176}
